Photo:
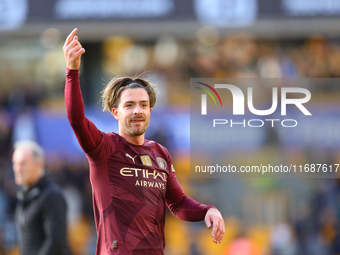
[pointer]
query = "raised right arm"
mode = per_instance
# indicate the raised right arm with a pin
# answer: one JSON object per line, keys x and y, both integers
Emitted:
{"x": 88, "y": 135}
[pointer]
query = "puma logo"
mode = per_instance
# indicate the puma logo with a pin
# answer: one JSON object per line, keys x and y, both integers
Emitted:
{"x": 133, "y": 158}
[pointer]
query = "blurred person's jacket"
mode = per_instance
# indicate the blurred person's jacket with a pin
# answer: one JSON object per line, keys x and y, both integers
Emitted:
{"x": 41, "y": 220}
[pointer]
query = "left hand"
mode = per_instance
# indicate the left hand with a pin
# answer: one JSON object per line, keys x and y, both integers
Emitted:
{"x": 214, "y": 217}
{"x": 73, "y": 51}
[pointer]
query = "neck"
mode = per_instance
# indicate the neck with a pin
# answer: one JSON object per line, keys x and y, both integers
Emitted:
{"x": 137, "y": 140}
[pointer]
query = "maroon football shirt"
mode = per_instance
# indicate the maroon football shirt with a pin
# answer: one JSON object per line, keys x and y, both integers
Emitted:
{"x": 131, "y": 185}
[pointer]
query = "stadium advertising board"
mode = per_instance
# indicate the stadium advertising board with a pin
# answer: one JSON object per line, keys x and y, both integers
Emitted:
{"x": 223, "y": 13}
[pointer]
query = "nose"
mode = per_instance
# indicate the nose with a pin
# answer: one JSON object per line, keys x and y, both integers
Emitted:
{"x": 137, "y": 109}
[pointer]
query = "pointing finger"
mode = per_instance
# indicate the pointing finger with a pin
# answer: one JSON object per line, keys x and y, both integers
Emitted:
{"x": 70, "y": 37}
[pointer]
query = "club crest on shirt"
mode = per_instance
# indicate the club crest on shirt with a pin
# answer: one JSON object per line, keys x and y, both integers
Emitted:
{"x": 161, "y": 163}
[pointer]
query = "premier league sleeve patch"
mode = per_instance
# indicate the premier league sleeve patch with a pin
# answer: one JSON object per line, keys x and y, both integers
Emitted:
{"x": 115, "y": 244}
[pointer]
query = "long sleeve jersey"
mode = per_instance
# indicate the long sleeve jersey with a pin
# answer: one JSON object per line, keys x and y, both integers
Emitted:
{"x": 131, "y": 184}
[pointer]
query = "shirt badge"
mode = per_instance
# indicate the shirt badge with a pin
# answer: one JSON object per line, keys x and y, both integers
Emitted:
{"x": 161, "y": 163}
{"x": 146, "y": 160}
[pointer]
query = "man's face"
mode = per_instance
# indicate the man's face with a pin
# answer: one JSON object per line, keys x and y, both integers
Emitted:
{"x": 26, "y": 167}
{"x": 133, "y": 112}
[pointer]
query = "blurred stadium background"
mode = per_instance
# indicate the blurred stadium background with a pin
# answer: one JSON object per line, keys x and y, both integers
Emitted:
{"x": 174, "y": 41}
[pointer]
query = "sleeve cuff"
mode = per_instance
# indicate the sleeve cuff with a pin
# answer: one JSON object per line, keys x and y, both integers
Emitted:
{"x": 72, "y": 73}
{"x": 209, "y": 207}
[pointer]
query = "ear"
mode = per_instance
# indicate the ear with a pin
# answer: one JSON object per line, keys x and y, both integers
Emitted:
{"x": 151, "y": 110}
{"x": 42, "y": 164}
{"x": 115, "y": 113}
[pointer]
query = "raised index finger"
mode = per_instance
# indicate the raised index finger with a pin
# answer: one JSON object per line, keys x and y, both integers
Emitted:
{"x": 70, "y": 37}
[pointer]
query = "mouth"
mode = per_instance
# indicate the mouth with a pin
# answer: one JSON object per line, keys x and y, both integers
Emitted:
{"x": 137, "y": 120}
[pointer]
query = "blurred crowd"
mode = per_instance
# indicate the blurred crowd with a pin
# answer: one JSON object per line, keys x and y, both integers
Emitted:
{"x": 310, "y": 227}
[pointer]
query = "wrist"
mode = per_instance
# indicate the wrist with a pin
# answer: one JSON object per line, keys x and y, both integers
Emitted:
{"x": 72, "y": 71}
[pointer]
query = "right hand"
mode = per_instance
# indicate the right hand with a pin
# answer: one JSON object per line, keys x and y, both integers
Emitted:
{"x": 214, "y": 217}
{"x": 73, "y": 51}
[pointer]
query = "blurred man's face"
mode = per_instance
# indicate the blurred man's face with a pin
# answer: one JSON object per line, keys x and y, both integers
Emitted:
{"x": 133, "y": 112}
{"x": 27, "y": 169}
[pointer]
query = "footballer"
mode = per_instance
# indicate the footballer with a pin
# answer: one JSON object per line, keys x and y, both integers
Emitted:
{"x": 132, "y": 178}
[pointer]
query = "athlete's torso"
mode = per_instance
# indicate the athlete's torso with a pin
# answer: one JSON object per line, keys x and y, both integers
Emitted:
{"x": 129, "y": 185}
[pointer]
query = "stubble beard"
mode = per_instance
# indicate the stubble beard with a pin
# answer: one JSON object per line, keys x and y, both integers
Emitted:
{"x": 138, "y": 131}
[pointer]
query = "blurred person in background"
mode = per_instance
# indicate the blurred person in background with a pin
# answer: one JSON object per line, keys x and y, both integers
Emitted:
{"x": 132, "y": 178}
{"x": 41, "y": 211}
